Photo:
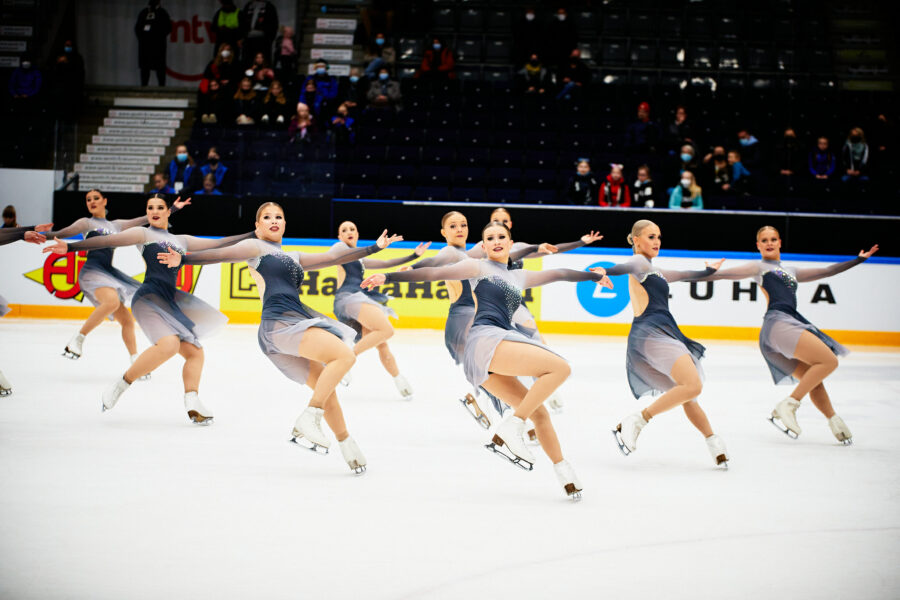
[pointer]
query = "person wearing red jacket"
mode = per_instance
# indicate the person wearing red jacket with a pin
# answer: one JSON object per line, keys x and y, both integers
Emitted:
{"x": 438, "y": 62}
{"x": 614, "y": 191}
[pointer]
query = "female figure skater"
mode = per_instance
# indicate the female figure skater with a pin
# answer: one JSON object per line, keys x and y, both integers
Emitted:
{"x": 5, "y": 385}
{"x": 795, "y": 350}
{"x": 660, "y": 358}
{"x": 496, "y": 353}
{"x": 173, "y": 321}
{"x": 105, "y": 286}
{"x": 523, "y": 318}
{"x": 366, "y": 311}
{"x": 306, "y": 346}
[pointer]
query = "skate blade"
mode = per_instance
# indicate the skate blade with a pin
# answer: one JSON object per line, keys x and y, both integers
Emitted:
{"x": 573, "y": 492}
{"x": 780, "y": 427}
{"x": 473, "y": 409}
{"x": 6, "y": 392}
{"x": 199, "y": 419}
{"x": 519, "y": 462}
{"x": 408, "y": 397}
{"x": 305, "y": 444}
{"x": 144, "y": 377}
{"x": 722, "y": 461}
{"x": 70, "y": 355}
{"x": 357, "y": 468}
{"x": 619, "y": 442}
{"x": 846, "y": 442}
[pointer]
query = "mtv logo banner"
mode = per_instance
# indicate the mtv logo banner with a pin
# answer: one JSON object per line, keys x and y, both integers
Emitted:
{"x": 107, "y": 41}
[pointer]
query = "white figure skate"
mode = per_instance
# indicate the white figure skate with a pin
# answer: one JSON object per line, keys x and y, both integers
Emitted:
{"x": 112, "y": 395}
{"x": 73, "y": 348}
{"x": 531, "y": 438}
{"x": 627, "y": 432}
{"x": 143, "y": 377}
{"x": 472, "y": 407}
{"x": 346, "y": 379}
{"x": 567, "y": 478}
{"x": 403, "y": 387}
{"x": 555, "y": 403}
{"x": 353, "y": 455}
{"x": 838, "y": 428}
{"x": 508, "y": 443}
{"x": 5, "y": 386}
{"x": 786, "y": 414}
{"x": 196, "y": 412}
{"x": 308, "y": 432}
{"x": 717, "y": 450}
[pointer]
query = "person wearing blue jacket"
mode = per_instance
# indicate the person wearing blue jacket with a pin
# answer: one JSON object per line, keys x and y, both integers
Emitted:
{"x": 325, "y": 91}
{"x": 215, "y": 168}
{"x": 181, "y": 169}
{"x": 740, "y": 176}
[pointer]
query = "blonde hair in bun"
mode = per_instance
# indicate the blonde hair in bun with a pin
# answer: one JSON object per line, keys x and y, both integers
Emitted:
{"x": 636, "y": 230}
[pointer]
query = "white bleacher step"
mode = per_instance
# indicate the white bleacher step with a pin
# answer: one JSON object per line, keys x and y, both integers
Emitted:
{"x": 118, "y": 159}
{"x": 336, "y": 70}
{"x": 331, "y": 54}
{"x": 146, "y": 114}
{"x": 135, "y": 131}
{"x": 114, "y": 177}
{"x": 116, "y": 149}
{"x": 131, "y": 140}
{"x": 112, "y": 187}
{"x": 101, "y": 167}
{"x": 333, "y": 39}
{"x": 151, "y": 102}
{"x": 146, "y": 123}
{"x": 336, "y": 24}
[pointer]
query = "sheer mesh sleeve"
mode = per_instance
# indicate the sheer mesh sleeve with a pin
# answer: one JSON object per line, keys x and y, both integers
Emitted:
{"x": 195, "y": 244}
{"x": 338, "y": 254}
{"x": 132, "y": 237}
{"x": 672, "y": 275}
{"x": 569, "y": 246}
{"x": 811, "y": 274}
{"x": 526, "y": 251}
{"x": 239, "y": 252}
{"x": 466, "y": 269}
{"x": 538, "y": 278}
{"x": 374, "y": 263}
{"x": 633, "y": 266}
{"x": 445, "y": 256}
{"x": 77, "y": 228}
{"x": 744, "y": 271}
{"x": 143, "y": 221}
{"x": 8, "y": 235}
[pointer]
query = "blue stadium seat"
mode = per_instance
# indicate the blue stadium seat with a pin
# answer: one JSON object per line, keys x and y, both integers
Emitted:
{"x": 395, "y": 192}
{"x": 540, "y": 159}
{"x": 469, "y": 176}
{"x": 399, "y": 175}
{"x": 540, "y": 178}
{"x": 471, "y": 19}
{"x": 255, "y": 187}
{"x": 503, "y": 157}
{"x": 438, "y": 155}
{"x": 532, "y": 196}
{"x": 357, "y": 191}
{"x": 406, "y": 137}
{"x": 436, "y": 176}
{"x": 430, "y": 193}
{"x": 403, "y": 155}
{"x": 467, "y": 194}
{"x": 505, "y": 177}
{"x": 504, "y": 195}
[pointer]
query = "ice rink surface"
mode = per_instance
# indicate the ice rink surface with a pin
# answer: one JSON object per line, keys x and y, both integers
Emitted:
{"x": 140, "y": 503}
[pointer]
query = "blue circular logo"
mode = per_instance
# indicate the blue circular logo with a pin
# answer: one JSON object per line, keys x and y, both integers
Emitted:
{"x": 601, "y": 301}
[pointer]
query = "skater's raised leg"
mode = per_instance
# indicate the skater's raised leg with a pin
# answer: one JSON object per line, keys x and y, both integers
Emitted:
{"x": 377, "y": 329}
{"x": 520, "y": 359}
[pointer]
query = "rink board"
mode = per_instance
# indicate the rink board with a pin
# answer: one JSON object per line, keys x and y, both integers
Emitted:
{"x": 854, "y": 306}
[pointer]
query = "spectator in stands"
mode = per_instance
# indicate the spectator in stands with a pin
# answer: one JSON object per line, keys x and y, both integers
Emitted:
{"x": 822, "y": 166}
{"x": 561, "y": 37}
{"x": 9, "y": 217}
{"x": 209, "y": 187}
{"x": 789, "y": 161}
{"x": 855, "y": 158}
{"x": 324, "y": 91}
{"x": 285, "y": 59}
{"x": 378, "y": 16}
{"x": 642, "y": 135}
{"x": 379, "y": 54}
{"x": 227, "y": 26}
{"x": 24, "y": 85}
{"x": 687, "y": 194}
{"x": 183, "y": 174}
{"x": 152, "y": 29}
{"x": 750, "y": 149}
{"x": 687, "y": 161}
{"x": 583, "y": 187}
{"x": 438, "y": 63}
{"x": 679, "y": 131}
{"x": 276, "y": 111}
{"x": 262, "y": 74}
{"x": 573, "y": 75}
{"x": 301, "y": 128}
{"x": 882, "y": 146}
{"x": 353, "y": 90}
{"x": 215, "y": 168}
{"x": 342, "y": 126}
{"x": 260, "y": 22}
{"x": 245, "y": 106}
{"x": 719, "y": 174}
{"x": 66, "y": 82}
{"x": 614, "y": 191}
{"x": 740, "y": 176}
{"x": 534, "y": 77}
{"x": 224, "y": 69}
{"x": 214, "y": 106}
{"x": 527, "y": 36}
{"x": 161, "y": 184}
{"x": 644, "y": 195}
{"x": 384, "y": 92}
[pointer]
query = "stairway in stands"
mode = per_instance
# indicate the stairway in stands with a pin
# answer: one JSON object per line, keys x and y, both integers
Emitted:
{"x": 128, "y": 147}
{"x": 329, "y": 35}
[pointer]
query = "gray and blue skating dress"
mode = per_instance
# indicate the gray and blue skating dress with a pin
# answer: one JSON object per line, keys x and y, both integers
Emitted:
{"x": 782, "y": 324}
{"x": 285, "y": 318}
{"x": 655, "y": 342}
{"x": 498, "y": 294}
{"x": 4, "y": 306}
{"x": 158, "y": 306}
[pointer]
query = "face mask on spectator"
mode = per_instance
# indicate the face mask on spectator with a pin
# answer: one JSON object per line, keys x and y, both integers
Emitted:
{"x": 719, "y": 157}
{"x": 686, "y": 183}
{"x": 745, "y": 141}
{"x": 383, "y": 76}
{"x": 855, "y": 139}
{"x": 529, "y": 16}
{"x": 685, "y": 157}
{"x": 181, "y": 156}
{"x": 436, "y": 46}
{"x": 213, "y": 160}
{"x": 379, "y": 41}
{"x": 320, "y": 71}
{"x": 26, "y": 64}
{"x": 68, "y": 49}
{"x": 561, "y": 17}
{"x": 354, "y": 78}
{"x": 226, "y": 53}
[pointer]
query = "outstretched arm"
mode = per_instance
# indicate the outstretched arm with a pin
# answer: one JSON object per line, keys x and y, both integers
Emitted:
{"x": 811, "y": 274}
{"x": 132, "y": 237}
{"x": 445, "y": 256}
{"x": 374, "y": 263}
{"x": 195, "y": 244}
{"x": 77, "y": 228}
{"x": 633, "y": 265}
{"x": 124, "y": 224}
{"x": 239, "y": 252}
{"x": 466, "y": 269}
{"x": 537, "y": 278}
{"x": 340, "y": 253}
{"x": 673, "y": 275}
{"x": 745, "y": 271}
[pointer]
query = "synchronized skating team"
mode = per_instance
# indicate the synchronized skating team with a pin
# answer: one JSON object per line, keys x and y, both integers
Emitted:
{"x": 489, "y": 330}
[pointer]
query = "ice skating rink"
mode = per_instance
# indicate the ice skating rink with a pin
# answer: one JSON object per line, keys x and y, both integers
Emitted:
{"x": 140, "y": 503}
